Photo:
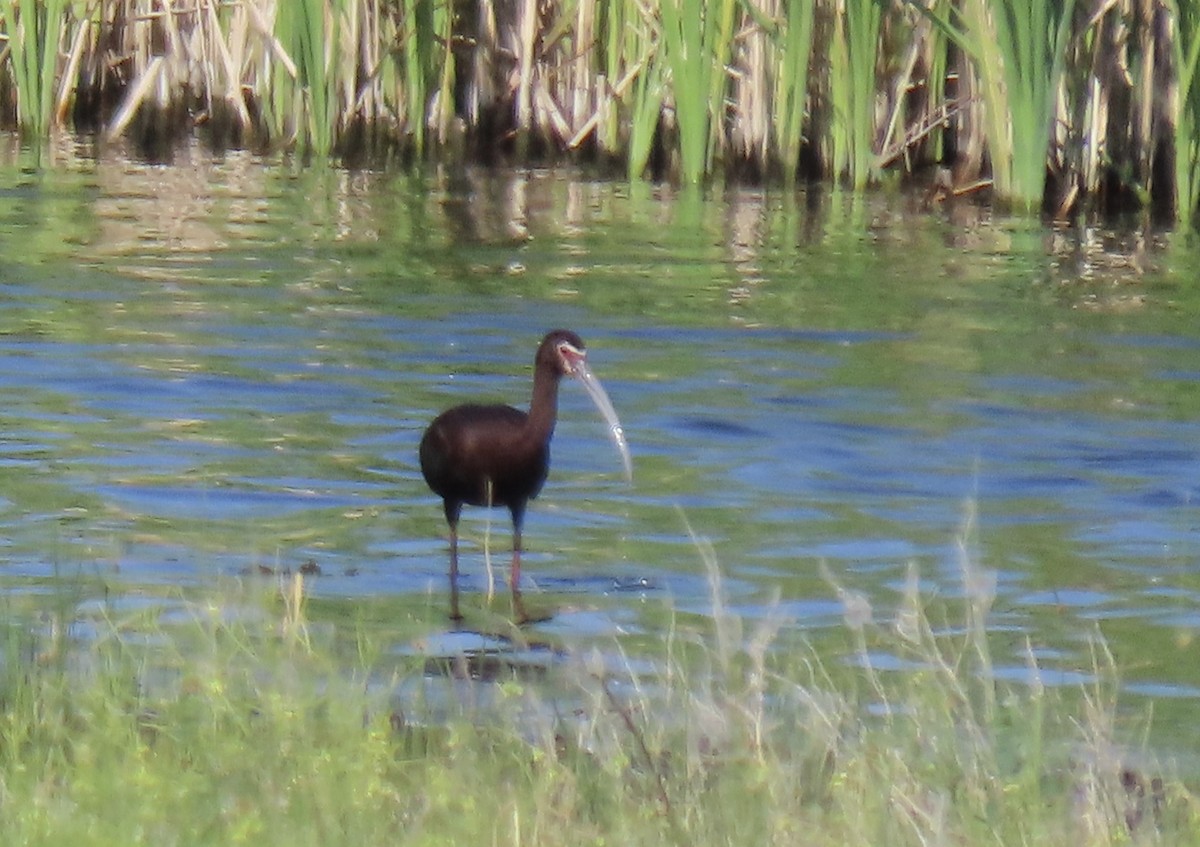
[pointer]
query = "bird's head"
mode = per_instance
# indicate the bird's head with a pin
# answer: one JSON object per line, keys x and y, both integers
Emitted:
{"x": 563, "y": 351}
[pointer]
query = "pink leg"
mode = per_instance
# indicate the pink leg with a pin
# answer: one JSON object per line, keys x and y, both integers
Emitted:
{"x": 515, "y": 578}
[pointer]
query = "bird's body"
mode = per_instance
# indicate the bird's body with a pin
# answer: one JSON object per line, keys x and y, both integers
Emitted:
{"x": 484, "y": 456}
{"x": 496, "y": 455}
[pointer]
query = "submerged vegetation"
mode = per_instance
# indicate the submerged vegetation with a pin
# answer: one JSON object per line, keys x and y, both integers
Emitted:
{"x": 246, "y": 721}
{"x": 1066, "y": 105}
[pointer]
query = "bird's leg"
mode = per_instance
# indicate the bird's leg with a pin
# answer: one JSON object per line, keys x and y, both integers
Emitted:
{"x": 487, "y": 542}
{"x": 455, "y": 614}
{"x": 518, "y": 518}
{"x": 452, "y": 512}
{"x": 516, "y": 561}
{"x": 519, "y": 613}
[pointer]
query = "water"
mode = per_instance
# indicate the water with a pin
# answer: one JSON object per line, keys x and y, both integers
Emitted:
{"x": 217, "y": 371}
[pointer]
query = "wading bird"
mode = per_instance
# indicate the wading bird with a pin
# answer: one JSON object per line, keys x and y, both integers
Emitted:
{"x": 499, "y": 456}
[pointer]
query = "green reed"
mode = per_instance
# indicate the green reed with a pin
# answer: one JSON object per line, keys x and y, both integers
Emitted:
{"x": 1187, "y": 122}
{"x": 420, "y": 64}
{"x": 645, "y": 106}
{"x": 793, "y": 47}
{"x": 307, "y": 29}
{"x": 633, "y": 53}
{"x": 1034, "y": 35}
{"x": 34, "y": 29}
{"x": 852, "y": 89}
{"x": 630, "y": 103}
{"x": 616, "y": 30}
{"x": 281, "y": 91}
{"x": 696, "y": 40}
{"x": 1018, "y": 48}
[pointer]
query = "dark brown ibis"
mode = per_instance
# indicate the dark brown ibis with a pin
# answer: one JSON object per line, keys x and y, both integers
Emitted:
{"x": 499, "y": 456}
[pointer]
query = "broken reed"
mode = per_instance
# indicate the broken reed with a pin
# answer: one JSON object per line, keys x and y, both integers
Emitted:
{"x": 1060, "y": 104}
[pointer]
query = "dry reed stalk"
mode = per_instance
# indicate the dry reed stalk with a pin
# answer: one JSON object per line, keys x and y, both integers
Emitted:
{"x": 605, "y": 113}
{"x": 1094, "y": 132}
{"x": 1155, "y": 71}
{"x": 583, "y": 83}
{"x": 485, "y": 43}
{"x": 966, "y": 131}
{"x": 1105, "y": 151}
{"x": 552, "y": 120}
{"x": 369, "y": 102}
{"x": 441, "y": 110}
{"x": 343, "y": 60}
{"x": 262, "y": 20}
{"x": 347, "y": 63}
{"x": 141, "y": 37}
{"x": 134, "y": 97}
{"x": 750, "y": 125}
{"x": 138, "y": 29}
{"x": 70, "y": 72}
{"x": 527, "y": 18}
{"x": 617, "y": 92}
{"x": 919, "y": 36}
{"x": 231, "y": 56}
{"x": 1108, "y": 94}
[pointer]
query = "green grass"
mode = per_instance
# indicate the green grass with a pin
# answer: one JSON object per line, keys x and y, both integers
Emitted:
{"x": 249, "y": 723}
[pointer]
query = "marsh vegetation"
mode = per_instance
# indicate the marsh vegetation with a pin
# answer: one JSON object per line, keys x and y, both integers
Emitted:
{"x": 243, "y": 721}
{"x": 1066, "y": 105}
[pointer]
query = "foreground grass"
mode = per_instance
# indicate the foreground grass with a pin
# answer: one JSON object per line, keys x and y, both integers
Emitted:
{"x": 264, "y": 729}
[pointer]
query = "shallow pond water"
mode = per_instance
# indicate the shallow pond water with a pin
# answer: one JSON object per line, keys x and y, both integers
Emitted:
{"x": 217, "y": 371}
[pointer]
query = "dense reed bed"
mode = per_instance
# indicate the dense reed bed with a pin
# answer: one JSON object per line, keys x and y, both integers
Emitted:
{"x": 1061, "y": 105}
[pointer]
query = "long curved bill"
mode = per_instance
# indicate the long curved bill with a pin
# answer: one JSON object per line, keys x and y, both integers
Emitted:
{"x": 615, "y": 431}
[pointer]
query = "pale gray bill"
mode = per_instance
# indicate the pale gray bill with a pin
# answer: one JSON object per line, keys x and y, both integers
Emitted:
{"x": 615, "y": 431}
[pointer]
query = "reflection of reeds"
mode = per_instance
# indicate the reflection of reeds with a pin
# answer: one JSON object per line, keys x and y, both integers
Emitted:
{"x": 1065, "y": 104}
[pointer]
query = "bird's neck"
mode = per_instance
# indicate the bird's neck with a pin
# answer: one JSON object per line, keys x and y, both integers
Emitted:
{"x": 543, "y": 408}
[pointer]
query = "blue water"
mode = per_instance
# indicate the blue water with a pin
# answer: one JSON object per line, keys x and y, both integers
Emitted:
{"x": 219, "y": 379}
